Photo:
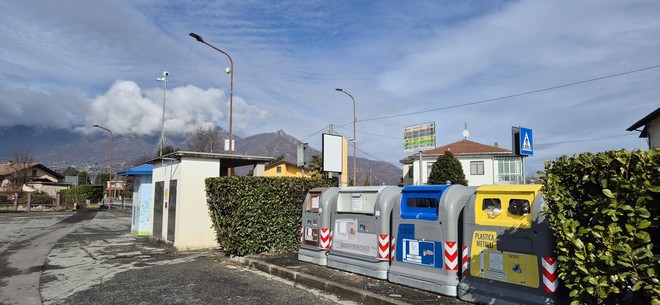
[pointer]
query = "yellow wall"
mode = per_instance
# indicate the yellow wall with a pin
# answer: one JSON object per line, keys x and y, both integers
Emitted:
{"x": 288, "y": 170}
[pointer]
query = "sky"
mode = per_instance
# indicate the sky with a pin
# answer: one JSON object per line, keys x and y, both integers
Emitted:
{"x": 578, "y": 73}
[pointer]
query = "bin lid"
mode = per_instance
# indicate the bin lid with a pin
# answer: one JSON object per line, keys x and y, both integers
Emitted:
{"x": 426, "y": 188}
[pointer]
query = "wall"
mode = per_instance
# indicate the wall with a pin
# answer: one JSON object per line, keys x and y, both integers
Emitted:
{"x": 654, "y": 133}
{"x": 288, "y": 170}
{"x": 193, "y": 223}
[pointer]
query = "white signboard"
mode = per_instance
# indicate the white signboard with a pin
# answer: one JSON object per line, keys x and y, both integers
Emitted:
{"x": 332, "y": 153}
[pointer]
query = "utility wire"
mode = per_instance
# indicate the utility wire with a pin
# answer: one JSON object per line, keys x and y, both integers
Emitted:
{"x": 496, "y": 99}
{"x": 513, "y": 95}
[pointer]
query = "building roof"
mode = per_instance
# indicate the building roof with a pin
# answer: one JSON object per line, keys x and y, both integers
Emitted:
{"x": 467, "y": 147}
{"x": 644, "y": 122}
{"x": 464, "y": 148}
{"x": 273, "y": 164}
{"x": 144, "y": 169}
{"x": 10, "y": 167}
{"x": 231, "y": 160}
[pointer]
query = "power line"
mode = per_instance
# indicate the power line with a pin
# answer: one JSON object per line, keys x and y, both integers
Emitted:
{"x": 513, "y": 95}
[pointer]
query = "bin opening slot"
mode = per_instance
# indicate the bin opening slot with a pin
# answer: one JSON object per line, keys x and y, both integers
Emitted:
{"x": 420, "y": 208}
{"x": 519, "y": 207}
{"x": 492, "y": 207}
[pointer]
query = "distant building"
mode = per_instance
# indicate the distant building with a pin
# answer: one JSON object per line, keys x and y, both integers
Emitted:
{"x": 31, "y": 177}
{"x": 650, "y": 128}
{"x": 284, "y": 168}
{"x": 482, "y": 164}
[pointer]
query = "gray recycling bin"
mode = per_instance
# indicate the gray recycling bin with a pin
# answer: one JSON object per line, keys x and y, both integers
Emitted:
{"x": 361, "y": 230}
{"x": 426, "y": 224}
{"x": 316, "y": 228}
{"x": 509, "y": 248}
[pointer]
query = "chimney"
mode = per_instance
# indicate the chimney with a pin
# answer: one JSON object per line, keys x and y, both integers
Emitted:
{"x": 497, "y": 144}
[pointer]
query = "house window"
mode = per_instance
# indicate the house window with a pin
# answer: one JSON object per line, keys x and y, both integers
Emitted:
{"x": 279, "y": 169}
{"x": 476, "y": 167}
{"x": 509, "y": 170}
{"x": 34, "y": 173}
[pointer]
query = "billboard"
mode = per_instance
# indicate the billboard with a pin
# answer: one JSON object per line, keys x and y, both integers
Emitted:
{"x": 332, "y": 153}
{"x": 419, "y": 137}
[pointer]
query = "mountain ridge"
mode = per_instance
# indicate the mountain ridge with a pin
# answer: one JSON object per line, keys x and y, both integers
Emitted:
{"x": 60, "y": 148}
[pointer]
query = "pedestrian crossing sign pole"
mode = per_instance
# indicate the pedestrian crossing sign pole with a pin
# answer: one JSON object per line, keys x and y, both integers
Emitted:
{"x": 522, "y": 141}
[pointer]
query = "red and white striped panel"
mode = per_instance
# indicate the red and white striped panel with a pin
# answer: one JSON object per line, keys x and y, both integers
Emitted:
{"x": 393, "y": 249}
{"x": 451, "y": 255}
{"x": 326, "y": 238}
{"x": 302, "y": 234}
{"x": 383, "y": 246}
{"x": 466, "y": 261}
{"x": 550, "y": 278}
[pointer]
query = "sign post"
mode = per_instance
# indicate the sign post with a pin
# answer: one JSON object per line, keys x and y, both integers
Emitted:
{"x": 522, "y": 141}
{"x": 417, "y": 138}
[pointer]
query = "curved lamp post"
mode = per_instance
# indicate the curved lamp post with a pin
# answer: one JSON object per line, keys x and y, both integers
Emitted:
{"x": 354, "y": 141}
{"x": 110, "y": 166}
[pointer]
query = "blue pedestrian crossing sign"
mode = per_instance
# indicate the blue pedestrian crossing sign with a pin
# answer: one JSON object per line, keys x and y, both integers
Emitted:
{"x": 526, "y": 142}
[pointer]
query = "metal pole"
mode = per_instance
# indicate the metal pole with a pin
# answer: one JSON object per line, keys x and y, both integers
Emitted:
{"x": 231, "y": 91}
{"x": 420, "y": 168}
{"x": 162, "y": 121}
{"x": 110, "y": 165}
{"x": 354, "y": 139}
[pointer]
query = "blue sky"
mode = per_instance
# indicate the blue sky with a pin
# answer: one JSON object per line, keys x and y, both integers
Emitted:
{"x": 71, "y": 64}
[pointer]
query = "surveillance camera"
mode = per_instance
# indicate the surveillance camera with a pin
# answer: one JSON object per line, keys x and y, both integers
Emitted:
{"x": 166, "y": 73}
{"x": 228, "y": 70}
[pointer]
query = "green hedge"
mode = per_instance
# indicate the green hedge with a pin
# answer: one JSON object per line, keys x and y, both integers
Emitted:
{"x": 604, "y": 209}
{"x": 258, "y": 214}
{"x": 80, "y": 193}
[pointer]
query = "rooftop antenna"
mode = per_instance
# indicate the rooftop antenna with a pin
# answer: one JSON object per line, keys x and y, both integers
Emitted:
{"x": 466, "y": 133}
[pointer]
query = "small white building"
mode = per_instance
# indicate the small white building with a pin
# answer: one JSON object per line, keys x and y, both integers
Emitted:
{"x": 180, "y": 214}
{"x": 651, "y": 128}
{"x": 482, "y": 164}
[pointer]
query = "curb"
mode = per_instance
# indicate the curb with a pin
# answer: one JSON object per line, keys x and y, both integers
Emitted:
{"x": 340, "y": 290}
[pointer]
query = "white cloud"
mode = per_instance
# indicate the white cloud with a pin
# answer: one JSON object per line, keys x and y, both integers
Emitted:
{"x": 127, "y": 109}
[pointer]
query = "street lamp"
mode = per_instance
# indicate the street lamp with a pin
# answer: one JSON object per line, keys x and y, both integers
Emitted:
{"x": 162, "y": 121}
{"x": 229, "y": 71}
{"x": 110, "y": 166}
{"x": 354, "y": 140}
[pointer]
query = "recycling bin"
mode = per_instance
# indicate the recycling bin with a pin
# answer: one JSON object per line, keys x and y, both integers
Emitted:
{"x": 426, "y": 222}
{"x": 508, "y": 248}
{"x": 316, "y": 229}
{"x": 361, "y": 230}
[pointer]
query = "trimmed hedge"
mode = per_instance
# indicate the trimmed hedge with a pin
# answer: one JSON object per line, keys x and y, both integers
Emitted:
{"x": 258, "y": 214}
{"x": 604, "y": 209}
{"x": 80, "y": 193}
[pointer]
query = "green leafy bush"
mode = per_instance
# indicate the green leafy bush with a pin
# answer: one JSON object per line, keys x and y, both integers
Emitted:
{"x": 604, "y": 209}
{"x": 258, "y": 214}
{"x": 80, "y": 193}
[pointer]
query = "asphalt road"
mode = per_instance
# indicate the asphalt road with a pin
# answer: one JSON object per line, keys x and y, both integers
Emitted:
{"x": 89, "y": 258}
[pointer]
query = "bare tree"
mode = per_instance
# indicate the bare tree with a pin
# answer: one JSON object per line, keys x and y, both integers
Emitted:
{"x": 206, "y": 139}
{"x": 21, "y": 163}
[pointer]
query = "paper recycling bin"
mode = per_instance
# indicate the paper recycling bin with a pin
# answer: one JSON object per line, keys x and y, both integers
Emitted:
{"x": 361, "y": 230}
{"x": 509, "y": 247}
{"x": 426, "y": 224}
{"x": 316, "y": 229}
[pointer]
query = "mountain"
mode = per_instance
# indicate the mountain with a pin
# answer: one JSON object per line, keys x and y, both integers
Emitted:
{"x": 60, "y": 148}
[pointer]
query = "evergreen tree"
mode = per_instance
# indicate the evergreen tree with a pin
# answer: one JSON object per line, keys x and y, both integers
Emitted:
{"x": 447, "y": 168}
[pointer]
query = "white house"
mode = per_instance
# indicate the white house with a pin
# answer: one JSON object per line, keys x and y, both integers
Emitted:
{"x": 651, "y": 128}
{"x": 482, "y": 164}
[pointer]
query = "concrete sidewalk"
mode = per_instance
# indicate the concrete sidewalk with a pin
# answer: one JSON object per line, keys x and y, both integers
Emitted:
{"x": 103, "y": 249}
{"x": 346, "y": 285}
